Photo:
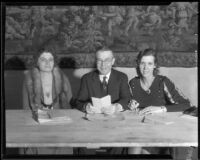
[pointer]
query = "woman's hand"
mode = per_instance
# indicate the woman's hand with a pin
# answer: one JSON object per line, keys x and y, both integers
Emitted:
{"x": 153, "y": 109}
{"x": 133, "y": 105}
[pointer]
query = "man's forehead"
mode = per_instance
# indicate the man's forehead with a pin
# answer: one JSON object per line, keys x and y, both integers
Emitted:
{"x": 46, "y": 55}
{"x": 104, "y": 54}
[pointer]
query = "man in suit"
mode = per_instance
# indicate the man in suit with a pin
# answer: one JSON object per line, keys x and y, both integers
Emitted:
{"x": 104, "y": 81}
{"x": 101, "y": 82}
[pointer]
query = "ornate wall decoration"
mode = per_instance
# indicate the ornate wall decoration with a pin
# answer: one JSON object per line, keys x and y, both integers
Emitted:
{"x": 83, "y": 29}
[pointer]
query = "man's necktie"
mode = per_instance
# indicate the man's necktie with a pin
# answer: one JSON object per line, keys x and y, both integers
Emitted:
{"x": 104, "y": 85}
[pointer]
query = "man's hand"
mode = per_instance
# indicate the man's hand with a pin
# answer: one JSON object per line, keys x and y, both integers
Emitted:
{"x": 108, "y": 110}
{"x": 90, "y": 109}
{"x": 118, "y": 107}
{"x": 153, "y": 109}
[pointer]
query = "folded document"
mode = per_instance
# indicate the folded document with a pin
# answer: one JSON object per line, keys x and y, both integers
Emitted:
{"x": 103, "y": 102}
{"x": 156, "y": 120}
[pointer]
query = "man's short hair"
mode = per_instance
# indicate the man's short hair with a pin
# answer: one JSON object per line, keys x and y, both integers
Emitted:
{"x": 104, "y": 49}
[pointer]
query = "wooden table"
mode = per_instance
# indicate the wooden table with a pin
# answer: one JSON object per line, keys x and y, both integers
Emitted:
{"x": 125, "y": 131}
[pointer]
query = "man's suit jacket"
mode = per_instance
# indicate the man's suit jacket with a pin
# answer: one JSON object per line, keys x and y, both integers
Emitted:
{"x": 91, "y": 85}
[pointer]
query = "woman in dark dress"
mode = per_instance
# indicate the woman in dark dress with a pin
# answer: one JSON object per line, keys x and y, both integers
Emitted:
{"x": 153, "y": 93}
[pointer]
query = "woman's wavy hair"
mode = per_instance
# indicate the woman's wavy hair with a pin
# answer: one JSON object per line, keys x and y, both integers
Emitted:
{"x": 147, "y": 52}
{"x": 42, "y": 50}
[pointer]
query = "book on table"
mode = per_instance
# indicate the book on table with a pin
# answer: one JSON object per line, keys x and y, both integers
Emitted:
{"x": 47, "y": 116}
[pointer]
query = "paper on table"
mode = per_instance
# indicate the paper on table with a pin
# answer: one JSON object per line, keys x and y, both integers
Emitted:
{"x": 101, "y": 102}
{"x": 46, "y": 116}
{"x": 156, "y": 120}
{"x": 188, "y": 117}
{"x": 103, "y": 117}
{"x": 40, "y": 120}
{"x": 57, "y": 120}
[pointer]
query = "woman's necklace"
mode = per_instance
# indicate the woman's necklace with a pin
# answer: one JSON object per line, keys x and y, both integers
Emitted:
{"x": 146, "y": 84}
{"x": 47, "y": 87}
{"x": 48, "y": 94}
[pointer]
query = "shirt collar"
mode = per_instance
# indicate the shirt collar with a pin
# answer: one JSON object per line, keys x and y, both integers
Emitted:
{"x": 107, "y": 75}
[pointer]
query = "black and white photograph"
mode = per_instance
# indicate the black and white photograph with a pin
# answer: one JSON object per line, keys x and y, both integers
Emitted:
{"x": 99, "y": 80}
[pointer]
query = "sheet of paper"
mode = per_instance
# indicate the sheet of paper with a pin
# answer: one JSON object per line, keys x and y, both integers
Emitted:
{"x": 57, "y": 120}
{"x": 96, "y": 102}
{"x": 156, "y": 120}
{"x": 40, "y": 120}
{"x": 103, "y": 117}
{"x": 188, "y": 117}
{"x": 101, "y": 102}
{"x": 106, "y": 101}
{"x": 46, "y": 114}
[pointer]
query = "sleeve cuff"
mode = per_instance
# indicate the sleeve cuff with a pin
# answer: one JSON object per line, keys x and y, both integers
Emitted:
{"x": 118, "y": 107}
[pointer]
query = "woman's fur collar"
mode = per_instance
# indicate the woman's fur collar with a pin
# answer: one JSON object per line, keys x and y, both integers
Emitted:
{"x": 37, "y": 85}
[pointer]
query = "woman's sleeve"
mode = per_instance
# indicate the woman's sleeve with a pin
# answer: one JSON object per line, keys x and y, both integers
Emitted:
{"x": 131, "y": 86}
{"x": 28, "y": 95}
{"x": 177, "y": 101}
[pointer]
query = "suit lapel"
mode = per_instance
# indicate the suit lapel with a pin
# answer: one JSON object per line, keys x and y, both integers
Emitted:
{"x": 112, "y": 82}
{"x": 96, "y": 85}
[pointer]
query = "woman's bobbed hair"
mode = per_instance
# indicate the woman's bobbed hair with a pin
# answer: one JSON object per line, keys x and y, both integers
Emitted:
{"x": 147, "y": 52}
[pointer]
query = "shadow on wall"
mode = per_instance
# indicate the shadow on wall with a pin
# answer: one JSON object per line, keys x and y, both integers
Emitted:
{"x": 13, "y": 80}
{"x": 74, "y": 76}
{"x": 15, "y": 63}
{"x": 68, "y": 65}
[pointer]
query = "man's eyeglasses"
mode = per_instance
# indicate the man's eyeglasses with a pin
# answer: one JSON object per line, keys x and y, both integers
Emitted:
{"x": 106, "y": 61}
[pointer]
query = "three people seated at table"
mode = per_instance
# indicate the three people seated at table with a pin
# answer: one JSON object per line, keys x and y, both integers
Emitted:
{"x": 47, "y": 86}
